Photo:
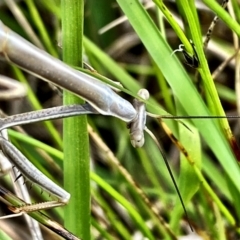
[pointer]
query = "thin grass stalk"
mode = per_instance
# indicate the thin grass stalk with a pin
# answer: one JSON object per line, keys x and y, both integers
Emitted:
{"x": 76, "y": 149}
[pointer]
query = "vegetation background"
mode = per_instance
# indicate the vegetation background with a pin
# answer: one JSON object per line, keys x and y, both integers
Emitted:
{"x": 136, "y": 52}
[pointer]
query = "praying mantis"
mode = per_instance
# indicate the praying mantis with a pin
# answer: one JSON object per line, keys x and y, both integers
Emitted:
{"x": 99, "y": 108}
{"x": 100, "y": 98}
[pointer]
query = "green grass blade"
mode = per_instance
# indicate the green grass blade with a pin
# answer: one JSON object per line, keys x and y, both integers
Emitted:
{"x": 76, "y": 149}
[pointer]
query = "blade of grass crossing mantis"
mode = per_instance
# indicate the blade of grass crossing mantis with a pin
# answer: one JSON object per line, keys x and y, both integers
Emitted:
{"x": 76, "y": 145}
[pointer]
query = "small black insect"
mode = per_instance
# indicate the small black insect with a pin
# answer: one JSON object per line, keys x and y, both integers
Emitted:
{"x": 191, "y": 61}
